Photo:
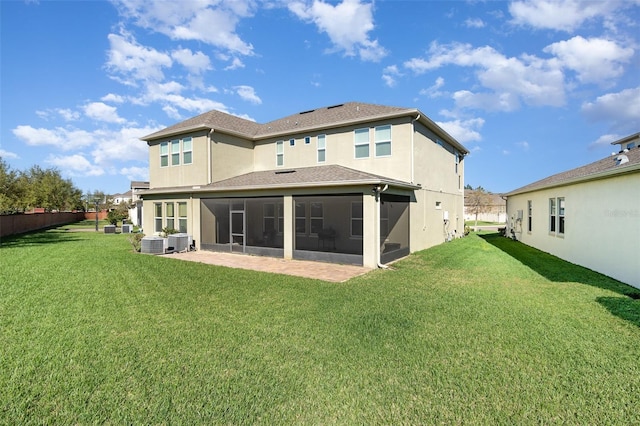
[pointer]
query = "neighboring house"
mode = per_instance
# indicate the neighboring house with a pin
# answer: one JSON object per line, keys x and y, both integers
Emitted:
{"x": 135, "y": 212}
{"x": 351, "y": 183}
{"x": 121, "y": 198}
{"x": 495, "y": 209}
{"x": 589, "y": 215}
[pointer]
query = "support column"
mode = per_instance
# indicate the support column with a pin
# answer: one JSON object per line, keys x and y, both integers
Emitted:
{"x": 289, "y": 234}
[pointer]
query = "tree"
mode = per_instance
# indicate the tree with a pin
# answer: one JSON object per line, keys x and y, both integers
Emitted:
{"x": 477, "y": 201}
{"x": 8, "y": 186}
{"x": 120, "y": 213}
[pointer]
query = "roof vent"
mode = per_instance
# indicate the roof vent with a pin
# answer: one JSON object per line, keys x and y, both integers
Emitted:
{"x": 621, "y": 159}
{"x": 307, "y": 112}
{"x": 284, "y": 172}
{"x": 335, "y": 106}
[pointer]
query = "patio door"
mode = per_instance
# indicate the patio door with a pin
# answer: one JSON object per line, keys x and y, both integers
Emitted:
{"x": 237, "y": 231}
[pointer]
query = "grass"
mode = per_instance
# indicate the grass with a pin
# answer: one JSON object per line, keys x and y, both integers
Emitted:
{"x": 480, "y": 330}
{"x": 482, "y": 223}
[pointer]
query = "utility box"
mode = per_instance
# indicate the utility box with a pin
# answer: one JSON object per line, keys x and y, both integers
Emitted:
{"x": 152, "y": 245}
{"x": 109, "y": 229}
{"x": 179, "y": 242}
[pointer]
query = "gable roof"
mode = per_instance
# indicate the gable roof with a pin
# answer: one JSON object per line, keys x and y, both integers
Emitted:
{"x": 303, "y": 177}
{"x": 606, "y": 167}
{"x": 319, "y": 118}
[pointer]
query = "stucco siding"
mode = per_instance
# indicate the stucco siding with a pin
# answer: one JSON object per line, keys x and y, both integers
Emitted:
{"x": 182, "y": 174}
{"x": 602, "y": 225}
{"x": 230, "y": 156}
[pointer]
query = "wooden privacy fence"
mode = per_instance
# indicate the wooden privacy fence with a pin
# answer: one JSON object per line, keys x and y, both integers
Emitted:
{"x": 20, "y": 223}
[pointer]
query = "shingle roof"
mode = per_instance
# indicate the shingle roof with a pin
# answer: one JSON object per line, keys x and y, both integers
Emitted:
{"x": 303, "y": 177}
{"x": 607, "y": 166}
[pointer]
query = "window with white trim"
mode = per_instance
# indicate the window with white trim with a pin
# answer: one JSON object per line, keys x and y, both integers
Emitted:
{"x": 357, "y": 222}
{"x": 170, "y": 213}
{"x": 182, "y": 217}
{"x": 292, "y": 142}
{"x": 382, "y": 137}
{"x": 361, "y": 142}
{"x": 187, "y": 151}
{"x": 157, "y": 209}
{"x": 561, "y": 215}
{"x": 552, "y": 215}
{"x": 307, "y": 140}
{"x": 279, "y": 153}
{"x": 529, "y": 215}
{"x": 322, "y": 148}
{"x": 164, "y": 154}
{"x": 175, "y": 152}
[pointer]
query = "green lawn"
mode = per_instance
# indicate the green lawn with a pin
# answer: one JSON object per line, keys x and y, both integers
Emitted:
{"x": 479, "y": 330}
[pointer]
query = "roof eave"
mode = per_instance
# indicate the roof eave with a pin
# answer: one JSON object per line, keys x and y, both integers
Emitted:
{"x": 580, "y": 179}
{"x": 162, "y": 134}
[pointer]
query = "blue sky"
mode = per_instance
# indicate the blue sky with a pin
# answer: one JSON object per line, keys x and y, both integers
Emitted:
{"x": 531, "y": 88}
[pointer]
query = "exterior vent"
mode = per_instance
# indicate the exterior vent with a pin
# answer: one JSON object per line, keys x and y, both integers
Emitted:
{"x": 284, "y": 172}
{"x": 335, "y": 106}
{"x": 152, "y": 245}
{"x": 307, "y": 112}
{"x": 621, "y": 159}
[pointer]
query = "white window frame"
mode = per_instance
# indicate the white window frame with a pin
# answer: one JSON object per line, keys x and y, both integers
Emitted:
{"x": 170, "y": 216}
{"x": 157, "y": 220}
{"x": 529, "y": 216}
{"x": 361, "y": 143}
{"x": 164, "y": 154}
{"x": 302, "y": 218}
{"x": 182, "y": 218}
{"x": 561, "y": 212}
{"x": 174, "y": 152}
{"x": 186, "y": 150}
{"x": 279, "y": 153}
{"x": 292, "y": 142}
{"x": 307, "y": 140}
{"x": 321, "y": 142}
{"x": 384, "y": 141}
{"x": 553, "y": 215}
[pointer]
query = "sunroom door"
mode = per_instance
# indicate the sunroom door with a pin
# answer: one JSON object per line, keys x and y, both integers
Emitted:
{"x": 237, "y": 231}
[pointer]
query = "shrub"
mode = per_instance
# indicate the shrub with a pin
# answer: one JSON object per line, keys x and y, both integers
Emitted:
{"x": 136, "y": 241}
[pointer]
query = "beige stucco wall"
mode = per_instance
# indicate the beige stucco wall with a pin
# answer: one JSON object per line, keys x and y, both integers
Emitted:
{"x": 183, "y": 174}
{"x": 602, "y": 225}
{"x": 230, "y": 156}
{"x": 340, "y": 149}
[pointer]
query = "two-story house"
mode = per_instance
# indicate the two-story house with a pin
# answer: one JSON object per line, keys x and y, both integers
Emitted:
{"x": 351, "y": 183}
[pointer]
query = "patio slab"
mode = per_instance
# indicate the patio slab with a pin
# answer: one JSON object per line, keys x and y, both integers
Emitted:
{"x": 317, "y": 270}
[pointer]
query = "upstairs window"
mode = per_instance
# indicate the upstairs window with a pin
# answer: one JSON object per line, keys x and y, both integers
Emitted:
{"x": 383, "y": 141}
{"x": 322, "y": 148}
{"x": 292, "y": 142}
{"x": 175, "y": 152}
{"x": 279, "y": 153}
{"x": 307, "y": 140}
{"x": 164, "y": 154}
{"x": 361, "y": 139}
{"x": 187, "y": 151}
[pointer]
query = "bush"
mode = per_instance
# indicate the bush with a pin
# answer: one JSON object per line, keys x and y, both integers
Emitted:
{"x": 136, "y": 241}
{"x": 115, "y": 216}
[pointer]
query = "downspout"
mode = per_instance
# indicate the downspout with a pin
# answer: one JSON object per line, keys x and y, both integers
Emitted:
{"x": 209, "y": 172}
{"x": 413, "y": 130}
{"x": 377, "y": 192}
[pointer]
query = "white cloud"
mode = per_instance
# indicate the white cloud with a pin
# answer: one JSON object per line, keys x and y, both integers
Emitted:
{"x": 112, "y": 98}
{"x": 463, "y": 130}
{"x": 8, "y": 154}
{"x": 528, "y": 79}
{"x": 235, "y": 64}
{"x": 65, "y": 139}
{"x": 621, "y": 110}
{"x": 75, "y": 165}
{"x": 102, "y": 112}
{"x": 347, "y": 24}
{"x": 474, "y": 23}
{"x": 564, "y": 15}
{"x": 196, "y": 63}
{"x": 604, "y": 141}
{"x": 134, "y": 62}
{"x": 209, "y": 21}
{"x": 389, "y": 75}
{"x": 434, "y": 90}
{"x": 135, "y": 173}
{"x": 248, "y": 93}
{"x": 67, "y": 114}
{"x": 594, "y": 59}
{"x": 524, "y": 145}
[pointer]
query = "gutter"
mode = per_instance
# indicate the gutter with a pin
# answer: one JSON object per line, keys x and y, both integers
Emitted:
{"x": 413, "y": 131}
